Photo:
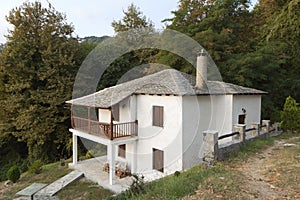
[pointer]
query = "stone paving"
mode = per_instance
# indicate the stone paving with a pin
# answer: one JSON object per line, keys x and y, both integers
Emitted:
{"x": 93, "y": 170}
{"x": 56, "y": 186}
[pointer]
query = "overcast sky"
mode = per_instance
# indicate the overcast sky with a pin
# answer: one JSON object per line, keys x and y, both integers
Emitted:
{"x": 94, "y": 17}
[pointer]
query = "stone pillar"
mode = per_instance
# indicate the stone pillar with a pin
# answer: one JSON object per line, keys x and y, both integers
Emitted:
{"x": 210, "y": 146}
{"x": 266, "y": 124}
{"x": 241, "y": 129}
{"x": 255, "y": 132}
{"x": 75, "y": 149}
{"x": 276, "y": 126}
{"x": 111, "y": 160}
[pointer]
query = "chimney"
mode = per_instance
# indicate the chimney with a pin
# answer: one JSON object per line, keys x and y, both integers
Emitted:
{"x": 201, "y": 73}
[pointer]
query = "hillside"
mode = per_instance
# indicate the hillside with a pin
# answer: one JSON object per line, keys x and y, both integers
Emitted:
{"x": 263, "y": 169}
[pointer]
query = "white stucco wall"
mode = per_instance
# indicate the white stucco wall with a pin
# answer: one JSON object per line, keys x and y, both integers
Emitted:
{"x": 197, "y": 117}
{"x": 167, "y": 138}
{"x": 104, "y": 115}
{"x": 252, "y": 104}
{"x": 201, "y": 113}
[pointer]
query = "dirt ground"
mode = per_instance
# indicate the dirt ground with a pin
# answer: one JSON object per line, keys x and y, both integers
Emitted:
{"x": 272, "y": 174}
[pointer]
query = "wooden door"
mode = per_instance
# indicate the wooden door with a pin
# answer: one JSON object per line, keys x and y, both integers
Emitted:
{"x": 158, "y": 160}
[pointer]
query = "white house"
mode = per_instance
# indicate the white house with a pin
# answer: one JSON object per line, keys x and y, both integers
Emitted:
{"x": 156, "y": 122}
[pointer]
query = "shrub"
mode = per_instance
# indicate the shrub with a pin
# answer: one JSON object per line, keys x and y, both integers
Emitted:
{"x": 290, "y": 115}
{"x": 36, "y": 167}
{"x": 89, "y": 155}
{"x": 13, "y": 174}
{"x": 62, "y": 162}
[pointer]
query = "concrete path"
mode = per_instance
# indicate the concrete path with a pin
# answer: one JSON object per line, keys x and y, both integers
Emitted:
{"x": 56, "y": 186}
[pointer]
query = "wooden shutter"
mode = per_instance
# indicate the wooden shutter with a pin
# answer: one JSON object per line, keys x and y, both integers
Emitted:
{"x": 158, "y": 160}
{"x": 158, "y": 116}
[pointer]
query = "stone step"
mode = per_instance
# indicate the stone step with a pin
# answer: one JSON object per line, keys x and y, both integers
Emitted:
{"x": 56, "y": 186}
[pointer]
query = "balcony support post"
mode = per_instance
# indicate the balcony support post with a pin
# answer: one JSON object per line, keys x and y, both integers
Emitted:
{"x": 89, "y": 119}
{"x": 75, "y": 149}
{"x": 111, "y": 125}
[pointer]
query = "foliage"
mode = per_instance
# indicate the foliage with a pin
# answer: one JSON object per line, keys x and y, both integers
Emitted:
{"x": 13, "y": 174}
{"x": 256, "y": 48}
{"x": 136, "y": 188}
{"x": 38, "y": 67}
{"x": 35, "y": 167}
{"x": 88, "y": 155}
{"x": 133, "y": 19}
{"x": 290, "y": 115}
{"x": 62, "y": 162}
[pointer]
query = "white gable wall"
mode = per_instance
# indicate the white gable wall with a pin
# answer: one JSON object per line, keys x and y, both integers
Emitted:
{"x": 167, "y": 138}
{"x": 252, "y": 105}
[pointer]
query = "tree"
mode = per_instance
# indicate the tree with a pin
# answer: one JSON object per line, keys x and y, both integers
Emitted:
{"x": 134, "y": 25}
{"x": 38, "y": 69}
{"x": 133, "y": 19}
{"x": 290, "y": 115}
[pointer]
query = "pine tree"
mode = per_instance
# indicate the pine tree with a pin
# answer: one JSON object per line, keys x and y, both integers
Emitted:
{"x": 290, "y": 115}
{"x": 38, "y": 68}
{"x": 133, "y": 19}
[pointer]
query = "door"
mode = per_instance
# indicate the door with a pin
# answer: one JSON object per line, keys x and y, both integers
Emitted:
{"x": 158, "y": 160}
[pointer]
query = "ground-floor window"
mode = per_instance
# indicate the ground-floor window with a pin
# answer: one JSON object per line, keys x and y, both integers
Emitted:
{"x": 158, "y": 160}
{"x": 122, "y": 150}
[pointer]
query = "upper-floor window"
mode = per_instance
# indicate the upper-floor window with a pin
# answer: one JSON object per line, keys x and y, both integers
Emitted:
{"x": 158, "y": 116}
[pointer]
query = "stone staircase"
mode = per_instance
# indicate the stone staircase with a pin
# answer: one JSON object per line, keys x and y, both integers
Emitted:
{"x": 56, "y": 186}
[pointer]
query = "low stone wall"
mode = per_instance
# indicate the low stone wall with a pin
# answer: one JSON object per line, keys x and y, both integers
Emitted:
{"x": 214, "y": 151}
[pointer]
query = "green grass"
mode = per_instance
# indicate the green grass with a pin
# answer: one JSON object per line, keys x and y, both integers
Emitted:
{"x": 177, "y": 187}
{"x": 249, "y": 149}
{"x": 49, "y": 173}
{"x": 83, "y": 189}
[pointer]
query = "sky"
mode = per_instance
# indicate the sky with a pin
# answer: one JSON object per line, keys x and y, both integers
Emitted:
{"x": 94, "y": 17}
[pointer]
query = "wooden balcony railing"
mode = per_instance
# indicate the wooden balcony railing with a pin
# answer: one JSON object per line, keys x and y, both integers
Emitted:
{"x": 111, "y": 131}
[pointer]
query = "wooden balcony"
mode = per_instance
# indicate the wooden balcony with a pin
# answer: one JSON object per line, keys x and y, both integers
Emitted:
{"x": 108, "y": 130}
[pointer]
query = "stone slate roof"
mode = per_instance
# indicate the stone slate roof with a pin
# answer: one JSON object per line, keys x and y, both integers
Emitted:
{"x": 166, "y": 82}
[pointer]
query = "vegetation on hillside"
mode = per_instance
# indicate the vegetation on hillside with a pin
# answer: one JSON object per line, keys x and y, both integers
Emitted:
{"x": 256, "y": 47}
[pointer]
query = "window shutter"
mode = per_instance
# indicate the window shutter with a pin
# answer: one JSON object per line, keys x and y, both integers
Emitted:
{"x": 158, "y": 116}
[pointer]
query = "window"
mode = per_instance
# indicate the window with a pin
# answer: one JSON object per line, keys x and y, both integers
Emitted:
{"x": 242, "y": 119}
{"x": 158, "y": 160}
{"x": 122, "y": 150}
{"x": 158, "y": 116}
{"x": 116, "y": 112}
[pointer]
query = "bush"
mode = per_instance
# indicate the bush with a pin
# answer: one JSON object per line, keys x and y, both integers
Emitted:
{"x": 290, "y": 115}
{"x": 89, "y": 155}
{"x": 13, "y": 174}
{"x": 62, "y": 162}
{"x": 36, "y": 167}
